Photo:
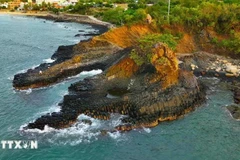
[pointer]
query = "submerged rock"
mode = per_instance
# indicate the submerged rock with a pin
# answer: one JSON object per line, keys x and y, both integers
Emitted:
{"x": 235, "y": 111}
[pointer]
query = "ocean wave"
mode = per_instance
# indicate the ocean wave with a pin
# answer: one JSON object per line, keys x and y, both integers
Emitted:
{"x": 49, "y": 60}
{"x": 147, "y": 130}
{"x": 92, "y": 72}
{"x": 25, "y": 70}
{"x": 27, "y": 91}
{"x": 53, "y": 108}
{"x": 80, "y": 132}
{"x": 84, "y": 74}
{"x": 74, "y": 40}
{"x": 114, "y": 135}
{"x": 10, "y": 78}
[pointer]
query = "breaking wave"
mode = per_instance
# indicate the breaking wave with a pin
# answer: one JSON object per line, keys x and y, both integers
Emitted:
{"x": 49, "y": 60}
{"x": 80, "y": 132}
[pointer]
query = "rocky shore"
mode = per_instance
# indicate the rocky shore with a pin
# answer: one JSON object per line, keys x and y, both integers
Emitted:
{"x": 209, "y": 65}
{"x": 146, "y": 95}
{"x": 67, "y": 58}
{"x": 163, "y": 89}
{"x": 84, "y": 19}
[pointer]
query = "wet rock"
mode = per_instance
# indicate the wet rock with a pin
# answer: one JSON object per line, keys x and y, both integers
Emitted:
{"x": 235, "y": 111}
{"x": 77, "y": 35}
{"x": 87, "y": 121}
{"x": 210, "y": 65}
{"x": 236, "y": 92}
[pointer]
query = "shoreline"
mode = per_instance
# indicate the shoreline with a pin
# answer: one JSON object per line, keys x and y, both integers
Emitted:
{"x": 63, "y": 17}
{"x": 24, "y": 14}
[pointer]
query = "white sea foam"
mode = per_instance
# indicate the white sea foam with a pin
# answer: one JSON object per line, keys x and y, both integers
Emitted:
{"x": 148, "y": 130}
{"x": 27, "y": 91}
{"x": 114, "y": 135}
{"x": 22, "y": 71}
{"x": 84, "y": 74}
{"x": 116, "y": 119}
{"x": 230, "y": 113}
{"x": 53, "y": 108}
{"x": 61, "y": 25}
{"x": 25, "y": 70}
{"x": 10, "y": 78}
{"x": 49, "y": 60}
{"x": 46, "y": 129}
{"x": 92, "y": 72}
{"x": 80, "y": 132}
{"x": 74, "y": 40}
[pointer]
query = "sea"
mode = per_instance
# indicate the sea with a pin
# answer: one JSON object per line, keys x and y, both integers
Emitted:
{"x": 208, "y": 133}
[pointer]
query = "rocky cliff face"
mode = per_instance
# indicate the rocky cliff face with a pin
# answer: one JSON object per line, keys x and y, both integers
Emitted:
{"x": 146, "y": 94}
{"x": 97, "y": 52}
{"x": 155, "y": 91}
{"x": 70, "y": 61}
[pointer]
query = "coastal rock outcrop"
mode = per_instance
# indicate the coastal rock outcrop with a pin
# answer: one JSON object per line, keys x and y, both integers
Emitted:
{"x": 69, "y": 61}
{"x": 235, "y": 111}
{"x": 211, "y": 65}
{"x": 96, "y": 53}
{"x": 146, "y": 94}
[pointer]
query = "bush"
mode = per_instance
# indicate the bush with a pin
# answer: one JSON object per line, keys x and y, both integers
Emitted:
{"x": 143, "y": 48}
{"x": 114, "y": 16}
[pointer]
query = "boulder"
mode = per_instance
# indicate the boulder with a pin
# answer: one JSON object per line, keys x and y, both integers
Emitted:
{"x": 235, "y": 111}
{"x": 232, "y": 69}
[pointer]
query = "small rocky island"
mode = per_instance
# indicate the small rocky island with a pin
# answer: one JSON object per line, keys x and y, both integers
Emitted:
{"x": 163, "y": 88}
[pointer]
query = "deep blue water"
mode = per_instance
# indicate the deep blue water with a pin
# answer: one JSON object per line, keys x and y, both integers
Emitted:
{"x": 209, "y": 133}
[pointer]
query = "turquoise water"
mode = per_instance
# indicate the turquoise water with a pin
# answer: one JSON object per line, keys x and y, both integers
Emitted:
{"x": 207, "y": 133}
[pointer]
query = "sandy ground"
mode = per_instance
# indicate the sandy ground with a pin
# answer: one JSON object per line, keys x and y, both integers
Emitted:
{"x": 24, "y": 14}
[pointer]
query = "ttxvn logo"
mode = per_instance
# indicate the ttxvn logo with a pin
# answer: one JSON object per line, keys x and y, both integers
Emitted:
{"x": 9, "y": 144}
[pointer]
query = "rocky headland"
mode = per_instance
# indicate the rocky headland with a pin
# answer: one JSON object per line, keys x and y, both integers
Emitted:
{"x": 147, "y": 94}
{"x": 163, "y": 89}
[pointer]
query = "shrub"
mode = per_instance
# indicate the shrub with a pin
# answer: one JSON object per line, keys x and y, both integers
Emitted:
{"x": 143, "y": 48}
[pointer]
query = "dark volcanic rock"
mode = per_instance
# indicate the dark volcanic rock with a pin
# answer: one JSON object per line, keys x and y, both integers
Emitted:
{"x": 209, "y": 65}
{"x": 87, "y": 34}
{"x": 236, "y": 92}
{"x": 143, "y": 94}
{"x": 36, "y": 78}
{"x": 70, "y": 61}
{"x": 63, "y": 53}
{"x": 145, "y": 106}
{"x": 235, "y": 111}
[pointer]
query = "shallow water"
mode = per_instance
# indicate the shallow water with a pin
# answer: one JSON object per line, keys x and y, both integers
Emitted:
{"x": 207, "y": 133}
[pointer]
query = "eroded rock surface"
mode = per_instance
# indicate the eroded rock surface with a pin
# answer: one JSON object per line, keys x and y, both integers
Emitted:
{"x": 211, "y": 65}
{"x": 69, "y": 61}
{"x": 147, "y": 94}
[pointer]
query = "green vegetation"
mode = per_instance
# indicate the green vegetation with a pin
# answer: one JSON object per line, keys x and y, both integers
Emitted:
{"x": 119, "y": 16}
{"x": 222, "y": 16}
{"x": 143, "y": 48}
{"x": 2, "y": 1}
{"x": 232, "y": 44}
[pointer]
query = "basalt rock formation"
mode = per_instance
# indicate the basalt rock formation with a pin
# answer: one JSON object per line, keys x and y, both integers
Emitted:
{"x": 96, "y": 53}
{"x": 155, "y": 91}
{"x": 146, "y": 94}
{"x": 69, "y": 62}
